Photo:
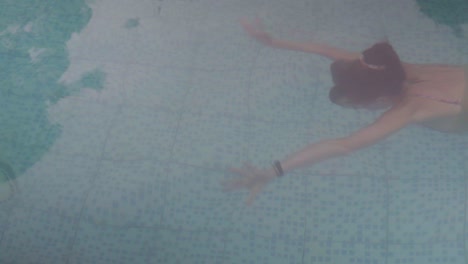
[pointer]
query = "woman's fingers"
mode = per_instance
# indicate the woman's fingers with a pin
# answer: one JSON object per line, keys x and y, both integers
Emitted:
{"x": 232, "y": 185}
{"x": 253, "y": 194}
{"x": 251, "y": 29}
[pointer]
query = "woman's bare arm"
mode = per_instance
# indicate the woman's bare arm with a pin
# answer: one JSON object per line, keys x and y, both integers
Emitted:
{"x": 255, "y": 179}
{"x": 323, "y": 50}
{"x": 332, "y": 53}
{"x": 390, "y": 122}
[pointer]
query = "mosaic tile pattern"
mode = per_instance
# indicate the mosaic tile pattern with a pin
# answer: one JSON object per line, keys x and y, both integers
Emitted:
{"x": 36, "y": 236}
{"x": 73, "y": 114}
{"x": 343, "y": 208}
{"x": 343, "y": 252}
{"x": 444, "y": 252}
{"x": 211, "y": 141}
{"x": 135, "y": 196}
{"x": 135, "y": 175}
{"x": 280, "y": 213}
{"x": 58, "y": 184}
{"x": 418, "y": 211}
{"x": 181, "y": 246}
{"x": 132, "y": 135}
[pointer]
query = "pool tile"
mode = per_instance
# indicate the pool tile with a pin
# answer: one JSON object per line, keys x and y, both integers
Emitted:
{"x": 425, "y": 211}
{"x": 280, "y": 210}
{"x": 103, "y": 244}
{"x": 127, "y": 194}
{"x": 211, "y": 95}
{"x": 253, "y": 248}
{"x": 346, "y": 209}
{"x": 443, "y": 252}
{"x": 141, "y": 133}
{"x": 157, "y": 87}
{"x": 344, "y": 252}
{"x": 36, "y": 236}
{"x": 211, "y": 141}
{"x": 185, "y": 246}
{"x": 72, "y": 115}
{"x": 195, "y": 199}
{"x": 57, "y": 183}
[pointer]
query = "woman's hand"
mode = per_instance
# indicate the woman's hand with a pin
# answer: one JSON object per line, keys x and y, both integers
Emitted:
{"x": 255, "y": 31}
{"x": 252, "y": 179}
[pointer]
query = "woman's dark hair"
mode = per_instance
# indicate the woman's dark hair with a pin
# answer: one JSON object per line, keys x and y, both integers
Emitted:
{"x": 358, "y": 84}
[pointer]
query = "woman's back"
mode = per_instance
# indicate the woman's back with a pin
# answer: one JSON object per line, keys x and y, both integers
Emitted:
{"x": 439, "y": 92}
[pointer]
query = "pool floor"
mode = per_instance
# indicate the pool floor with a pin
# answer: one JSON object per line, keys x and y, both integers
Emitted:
{"x": 121, "y": 118}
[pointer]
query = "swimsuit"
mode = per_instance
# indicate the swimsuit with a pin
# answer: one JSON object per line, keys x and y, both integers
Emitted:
{"x": 447, "y": 101}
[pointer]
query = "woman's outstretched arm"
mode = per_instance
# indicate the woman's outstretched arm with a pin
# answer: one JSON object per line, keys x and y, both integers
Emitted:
{"x": 332, "y": 53}
{"x": 390, "y": 122}
{"x": 255, "y": 179}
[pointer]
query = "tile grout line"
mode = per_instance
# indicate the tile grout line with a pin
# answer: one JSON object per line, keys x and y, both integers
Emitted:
{"x": 306, "y": 198}
{"x": 248, "y": 119}
{"x": 180, "y": 114}
{"x": 387, "y": 204}
{"x": 78, "y": 219}
{"x": 465, "y": 207}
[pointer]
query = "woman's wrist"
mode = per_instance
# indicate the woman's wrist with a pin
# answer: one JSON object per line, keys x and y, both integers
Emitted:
{"x": 275, "y": 43}
{"x": 278, "y": 168}
{"x": 275, "y": 170}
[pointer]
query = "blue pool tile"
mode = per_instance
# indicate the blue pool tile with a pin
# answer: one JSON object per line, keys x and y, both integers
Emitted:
{"x": 269, "y": 141}
{"x": 346, "y": 208}
{"x": 253, "y": 248}
{"x": 211, "y": 141}
{"x": 230, "y": 49}
{"x": 103, "y": 244}
{"x": 4, "y": 217}
{"x": 141, "y": 133}
{"x": 124, "y": 9}
{"x": 127, "y": 194}
{"x": 170, "y": 43}
{"x": 211, "y": 95}
{"x": 277, "y": 94}
{"x": 418, "y": 153}
{"x": 280, "y": 210}
{"x": 437, "y": 253}
{"x": 105, "y": 40}
{"x": 73, "y": 115}
{"x": 154, "y": 87}
{"x": 327, "y": 252}
{"x": 108, "y": 88}
{"x": 195, "y": 199}
{"x": 422, "y": 210}
{"x": 184, "y": 246}
{"x": 36, "y": 236}
{"x": 58, "y": 183}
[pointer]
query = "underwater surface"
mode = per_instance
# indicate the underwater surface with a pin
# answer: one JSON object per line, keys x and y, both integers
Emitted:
{"x": 119, "y": 119}
{"x": 33, "y": 57}
{"x": 452, "y": 13}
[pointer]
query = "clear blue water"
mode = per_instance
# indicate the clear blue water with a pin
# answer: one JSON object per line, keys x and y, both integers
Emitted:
{"x": 120, "y": 117}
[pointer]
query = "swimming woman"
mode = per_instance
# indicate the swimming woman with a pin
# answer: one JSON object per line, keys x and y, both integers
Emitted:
{"x": 431, "y": 95}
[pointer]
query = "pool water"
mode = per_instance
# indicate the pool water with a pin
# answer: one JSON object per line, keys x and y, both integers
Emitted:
{"x": 120, "y": 119}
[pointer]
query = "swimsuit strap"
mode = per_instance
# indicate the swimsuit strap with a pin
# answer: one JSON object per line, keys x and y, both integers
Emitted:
{"x": 447, "y": 101}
